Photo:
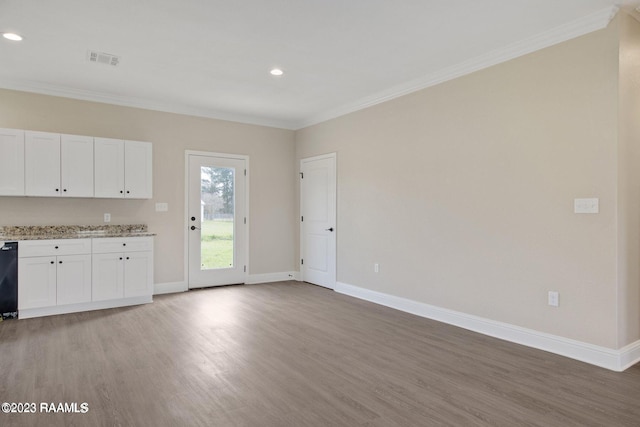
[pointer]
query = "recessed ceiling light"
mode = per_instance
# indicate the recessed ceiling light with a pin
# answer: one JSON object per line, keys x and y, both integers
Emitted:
{"x": 276, "y": 72}
{"x": 12, "y": 36}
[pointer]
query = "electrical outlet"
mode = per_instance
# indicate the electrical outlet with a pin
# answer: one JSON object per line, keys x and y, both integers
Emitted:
{"x": 376, "y": 268}
{"x": 162, "y": 207}
{"x": 554, "y": 298}
{"x": 107, "y": 217}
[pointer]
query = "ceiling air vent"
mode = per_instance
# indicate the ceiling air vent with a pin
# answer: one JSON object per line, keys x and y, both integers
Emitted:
{"x": 103, "y": 58}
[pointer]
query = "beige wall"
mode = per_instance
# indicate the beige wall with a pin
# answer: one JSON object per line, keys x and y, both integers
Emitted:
{"x": 629, "y": 182}
{"x": 463, "y": 192}
{"x": 272, "y": 184}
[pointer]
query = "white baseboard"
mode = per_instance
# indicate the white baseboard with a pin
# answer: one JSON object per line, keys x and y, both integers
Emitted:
{"x": 86, "y": 306}
{"x": 169, "y": 288}
{"x": 253, "y": 279}
{"x": 629, "y": 355}
{"x": 615, "y": 360}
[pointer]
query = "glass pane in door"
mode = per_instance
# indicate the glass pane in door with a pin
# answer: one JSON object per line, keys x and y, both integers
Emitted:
{"x": 217, "y": 203}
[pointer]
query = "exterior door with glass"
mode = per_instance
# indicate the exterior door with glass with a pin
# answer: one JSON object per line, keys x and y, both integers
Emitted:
{"x": 216, "y": 220}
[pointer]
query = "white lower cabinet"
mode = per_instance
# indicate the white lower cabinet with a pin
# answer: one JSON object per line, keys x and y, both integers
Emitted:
{"x": 108, "y": 277}
{"x": 122, "y": 267}
{"x": 37, "y": 282}
{"x": 63, "y": 276}
{"x": 53, "y": 272}
{"x": 138, "y": 274}
{"x": 73, "y": 279}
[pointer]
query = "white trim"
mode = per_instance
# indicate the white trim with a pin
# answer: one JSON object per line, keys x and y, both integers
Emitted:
{"x": 283, "y": 276}
{"x": 616, "y": 360}
{"x": 144, "y": 103}
{"x": 169, "y": 288}
{"x": 88, "y": 306}
{"x": 587, "y": 24}
{"x": 333, "y": 156}
{"x": 629, "y": 355}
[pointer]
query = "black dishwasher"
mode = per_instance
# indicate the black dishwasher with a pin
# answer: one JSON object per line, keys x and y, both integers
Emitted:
{"x": 9, "y": 280}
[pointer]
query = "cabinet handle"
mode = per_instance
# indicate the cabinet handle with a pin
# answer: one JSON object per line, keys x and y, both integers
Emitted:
{"x": 127, "y": 257}
{"x": 65, "y": 190}
{"x": 121, "y": 191}
{"x": 56, "y": 247}
{"x": 57, "y": 189}
{"x": 124, "y": 244}
{"x": 59, "y": 262}
{"x": 52, "y": 262}
{"x": 120, "y": 257}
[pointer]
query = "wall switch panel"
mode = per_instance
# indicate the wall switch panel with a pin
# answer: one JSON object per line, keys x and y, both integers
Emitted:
{"x": 162, "y": 207}
{"x": 591, "y": 206}
{"x": 107, "y": 217}
{"x": 376, "y": 268}
{"x": 554, "y": 298}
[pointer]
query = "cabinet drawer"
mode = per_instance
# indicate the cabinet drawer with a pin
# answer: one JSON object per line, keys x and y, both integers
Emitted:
{"x": 122, "y": 244}
{"x": 33, "y": 248}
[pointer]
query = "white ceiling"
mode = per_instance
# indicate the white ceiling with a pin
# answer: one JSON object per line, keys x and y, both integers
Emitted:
{"x": 212, "y": 58}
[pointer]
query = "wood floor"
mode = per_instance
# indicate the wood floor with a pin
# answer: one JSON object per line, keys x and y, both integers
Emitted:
{"x": 291, "y": 354}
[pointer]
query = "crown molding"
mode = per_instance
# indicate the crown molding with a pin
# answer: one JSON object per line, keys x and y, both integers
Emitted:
{"x": 593, "y": 22}
{"x": 143, "y": 103}
{"x": 579, "y": 27}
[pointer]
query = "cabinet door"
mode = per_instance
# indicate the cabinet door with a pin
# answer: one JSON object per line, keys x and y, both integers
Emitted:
{"x": 138, "y": 274}
{"x": 109, "y": 167}
{"x": 36, "y": 282}
{"x": 73, "y": 279}
{"x": 11, "y": 162}
{"x": 76, "y": 165}
{"x": 42, "y": 164}
{"x": 138, "y": 170}
{"x": 107, "y": 277}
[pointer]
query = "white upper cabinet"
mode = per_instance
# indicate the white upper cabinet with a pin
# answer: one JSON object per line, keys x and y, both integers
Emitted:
{"x": 42, "y": 164}
{"x": 52, "y": 165}
{"x": 58, "y": 165}
{"x": 109, "y": 167}
{"x": 138, "y": 170}
{"x": 76, "y": 165}
{"x": 123, "y": 169}
{"x": 11, "y": 162}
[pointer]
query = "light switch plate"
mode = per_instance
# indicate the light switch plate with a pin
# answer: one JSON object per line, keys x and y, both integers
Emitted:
{"x": 591, "y": 206}
{"x": 162, "y": 207}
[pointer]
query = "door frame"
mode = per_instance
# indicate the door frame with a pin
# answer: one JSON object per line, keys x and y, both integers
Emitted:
{"x": 333, "y": 155}
{"x": 188, "y": 153}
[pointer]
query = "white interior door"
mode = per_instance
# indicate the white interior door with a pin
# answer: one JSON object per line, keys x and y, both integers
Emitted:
{"x": 318, "y": 220}
{"x": 216, "y": 220}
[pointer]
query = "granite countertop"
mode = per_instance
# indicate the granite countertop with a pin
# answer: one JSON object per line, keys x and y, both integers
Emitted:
{"x": 46, "y": 232}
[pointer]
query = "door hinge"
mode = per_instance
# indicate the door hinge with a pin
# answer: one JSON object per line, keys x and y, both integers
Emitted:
{"x": 302, "y": 261}
{"x": 245, "y": 172}
{"x": 302, "y": 219}
{"x": 301, "y": 175}
{"x": 245, "y": 219}
{"x": 245, "y": 268}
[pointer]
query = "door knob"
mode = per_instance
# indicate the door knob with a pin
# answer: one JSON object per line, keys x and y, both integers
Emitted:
{"x": 329, "y": 229}
{"x": 193, "y": 227}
